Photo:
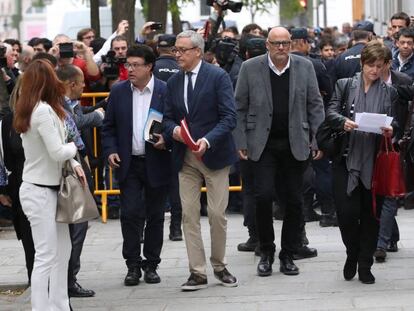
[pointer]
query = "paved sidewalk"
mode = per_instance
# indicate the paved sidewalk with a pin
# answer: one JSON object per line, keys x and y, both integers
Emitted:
{"x": 319, "y": 286}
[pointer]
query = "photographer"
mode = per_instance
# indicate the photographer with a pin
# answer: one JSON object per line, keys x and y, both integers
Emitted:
{"x": 6, "y": 66}
{"x": 226, "y": 51}
{"x": 78, "y": 54}
{"x": 112, "y": 66}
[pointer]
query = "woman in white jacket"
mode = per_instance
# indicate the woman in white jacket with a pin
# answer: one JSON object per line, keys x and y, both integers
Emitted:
{"x": 39, "y": 117}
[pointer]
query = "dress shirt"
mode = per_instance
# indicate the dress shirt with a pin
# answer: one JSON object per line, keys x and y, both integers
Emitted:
{"x": 140, "y": 106}
{"x": 274, "y": 69}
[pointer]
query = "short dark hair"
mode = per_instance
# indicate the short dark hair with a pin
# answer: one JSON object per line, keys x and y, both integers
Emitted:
{"x": 403, "y": 16}
{"x": 143, "y": 51}
{"x": 83, "y": 32}
{"x": 13, "y": 42}
{"x": 251, "y": 27}
{"x": 358, "y": 35}
{"x": 406, "y": 32}
{"x": 49, "y": 57}
{"x": 326, "y": 40}
{"x": 47, "y": 44}
{"x": 119, "y": 38}
{"x": 68, "y": 73}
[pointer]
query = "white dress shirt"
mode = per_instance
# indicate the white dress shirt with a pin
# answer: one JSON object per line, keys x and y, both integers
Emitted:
{"x": 193, "y": 80}
{"x": 140, "y": 106}
{"x": 274, "y": 69}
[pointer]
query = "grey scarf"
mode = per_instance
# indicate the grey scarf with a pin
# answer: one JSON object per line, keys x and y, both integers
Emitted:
{"x": 362, "y": 146}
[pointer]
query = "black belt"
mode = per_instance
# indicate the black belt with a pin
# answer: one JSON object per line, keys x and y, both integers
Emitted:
{"x": 138, "y": 157}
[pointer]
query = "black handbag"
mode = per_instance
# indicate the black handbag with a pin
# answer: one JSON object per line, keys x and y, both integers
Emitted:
{"x": 330, "y": 140}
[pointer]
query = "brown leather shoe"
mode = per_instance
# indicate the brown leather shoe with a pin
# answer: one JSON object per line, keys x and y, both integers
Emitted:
{"x": 226, "y": 278}
{"x": 194, "y": 282}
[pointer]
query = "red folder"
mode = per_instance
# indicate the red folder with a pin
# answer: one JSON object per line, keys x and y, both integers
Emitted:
{"x": 186, "y": 135}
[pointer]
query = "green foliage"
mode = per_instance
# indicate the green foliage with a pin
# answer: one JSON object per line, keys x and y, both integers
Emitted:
{"x": 38, "y": 3}
{"x": 290, "y": 8}
{"x": 259, "y": 5}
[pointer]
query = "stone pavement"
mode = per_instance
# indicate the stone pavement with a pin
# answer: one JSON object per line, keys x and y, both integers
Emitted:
{"x": 319, "y": 286}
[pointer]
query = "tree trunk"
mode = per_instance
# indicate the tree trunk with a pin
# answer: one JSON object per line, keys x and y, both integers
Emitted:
{"x": 175, "y": 16}
{"x": 157, "y": 11}
{"x": 95, "y": 21}
{"x": 124, "y": 9}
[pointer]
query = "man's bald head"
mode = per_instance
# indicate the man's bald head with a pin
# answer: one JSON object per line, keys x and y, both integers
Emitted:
{"x": 278, "y": 45}
{"x": 278, "y": 32}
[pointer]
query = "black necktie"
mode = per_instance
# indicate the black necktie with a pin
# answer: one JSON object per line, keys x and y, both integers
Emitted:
{"x": 189, "y": 90}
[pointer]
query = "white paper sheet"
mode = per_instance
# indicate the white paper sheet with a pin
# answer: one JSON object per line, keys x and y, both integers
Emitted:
{"x": 372, "y": 122}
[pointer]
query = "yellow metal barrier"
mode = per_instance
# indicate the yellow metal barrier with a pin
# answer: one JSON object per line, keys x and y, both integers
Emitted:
{"x": 104, "y": 193}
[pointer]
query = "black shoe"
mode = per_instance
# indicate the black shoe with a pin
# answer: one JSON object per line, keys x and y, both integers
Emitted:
{"x": 176, "y": 235}
{"x": 380, "y": 254}
{"x": 287, "y": 266}
{"x": 305, "y": 252}
{"x": 78, "y": 291}
{"x": 248, "y": 246}
{"x": 392, "y": 247}
{"x": 312, "y": 216}
{"x": 365, "y": 276}
{"x": 350, "y": 269}
{"x": 151, "y": 276}
{"x": 194, "y": 282}
{"x": 133, "y": 276}
{"x": 328, "y": 220}
{"x": 264, "y": 267}
{"x": 226, "y": 278}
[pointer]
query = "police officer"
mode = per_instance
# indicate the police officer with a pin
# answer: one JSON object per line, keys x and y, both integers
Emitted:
{"x": 255, "y": 46}
{"x": 166, "y": 64}
{"x": 301, "y": 46}
{"x": 318, "y": 176}
{"x": 349, "y": 63}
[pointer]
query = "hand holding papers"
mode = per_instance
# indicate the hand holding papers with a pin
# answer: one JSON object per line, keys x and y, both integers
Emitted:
{"x": 186, "y": 135}
{"x": 372, "y": 122}
{"x": 153, "y": 126}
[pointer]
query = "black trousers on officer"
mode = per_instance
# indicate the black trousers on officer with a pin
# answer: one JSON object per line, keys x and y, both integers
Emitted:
{"x": 249, "y": 203}
{"x": 140, "y": 202}
{"x": 359, "y": 228}
{"x": 77, "y": 236}
{"x": 175, "y": 203}
{"x": 279, "y": 162}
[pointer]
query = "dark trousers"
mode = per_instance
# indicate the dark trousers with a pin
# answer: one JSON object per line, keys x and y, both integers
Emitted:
{"x": 141, "y": 203}
{"x": 323, "y": 185}
{"x": 249, "y": 204}
{"x": 77, "y": 236}
{"x": 358, "y": 226}
{"x": 281, "y": 163}
{"x": 24, "y": 233}
{"x": 175, "y": 203}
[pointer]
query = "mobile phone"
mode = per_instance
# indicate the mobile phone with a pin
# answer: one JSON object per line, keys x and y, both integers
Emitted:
{"x": 156, "y": 26}
{"x": 66, "y": 50}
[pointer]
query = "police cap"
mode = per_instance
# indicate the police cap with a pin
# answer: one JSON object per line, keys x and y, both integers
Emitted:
{"x": 166, "y": 41}
{"x": 299, "y": 33}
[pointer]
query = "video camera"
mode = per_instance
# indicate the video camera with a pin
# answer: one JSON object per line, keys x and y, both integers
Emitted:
{"x": 226, "y": 50}
{"x": 111, "y": 70}
{"x": 3, "y": 59}
{"x": 226, "y": 4}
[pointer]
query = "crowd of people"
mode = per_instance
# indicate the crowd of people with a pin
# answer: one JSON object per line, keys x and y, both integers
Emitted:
{"x": 252, "y": 103}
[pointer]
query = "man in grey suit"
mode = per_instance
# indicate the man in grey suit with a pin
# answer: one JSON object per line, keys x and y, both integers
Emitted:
{"x": 279, "y": 109}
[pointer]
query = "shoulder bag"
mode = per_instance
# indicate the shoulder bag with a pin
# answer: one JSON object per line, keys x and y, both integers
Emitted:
{"x": 75, "y": 202}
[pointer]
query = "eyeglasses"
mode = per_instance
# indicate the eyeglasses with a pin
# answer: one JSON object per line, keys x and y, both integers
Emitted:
{"x": 285, "y": 44}
{"x": 134, "y": 65}
{"x": 181, "y": 51}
